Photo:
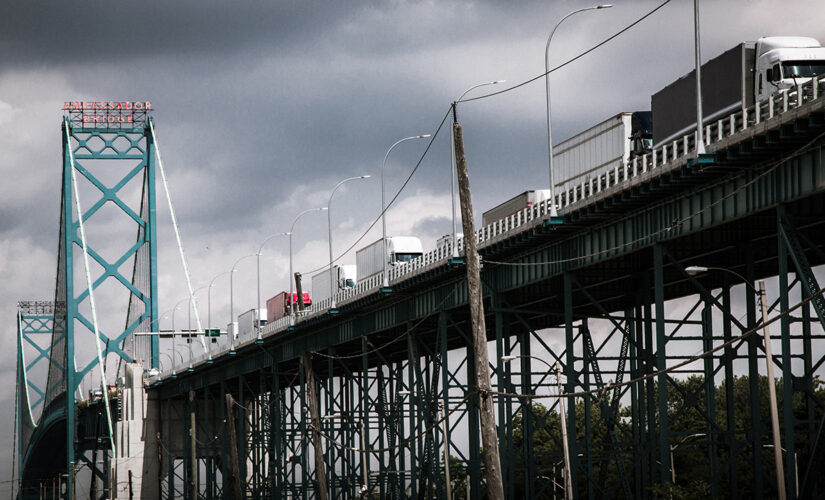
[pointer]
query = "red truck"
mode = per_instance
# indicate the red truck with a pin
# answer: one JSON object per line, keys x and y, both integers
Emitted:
{"x": 278, "y": 306}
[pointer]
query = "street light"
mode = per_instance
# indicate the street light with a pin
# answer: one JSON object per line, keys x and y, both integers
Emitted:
{"x": 386, "y": 281}
{"x": 452, "y": 159}
{"x": 673, "y": 447}
{"x": 291, "y": 230}
{"x": 174, "y": 309}
{"x": 553, "y": 212}
{"x": 209, "y": 305}
{"x": 777, "y": 441}
{"x": 232, "y": 303}
{"x": 258, "y": 266}
{"x": 364, "y": 465}
{"x": 189, "y": 323}
{"x": 332, "y": 281}
{"x": 568, "y": 481}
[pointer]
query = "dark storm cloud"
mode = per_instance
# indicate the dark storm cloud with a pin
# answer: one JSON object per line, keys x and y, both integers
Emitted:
{"x": 44, "y": 32}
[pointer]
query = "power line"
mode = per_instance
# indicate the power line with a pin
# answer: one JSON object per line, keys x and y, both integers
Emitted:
{"x": 569, "y": 61}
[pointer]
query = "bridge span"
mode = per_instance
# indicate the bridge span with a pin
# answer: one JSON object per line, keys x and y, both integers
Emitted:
{"x": 645, "y": 294}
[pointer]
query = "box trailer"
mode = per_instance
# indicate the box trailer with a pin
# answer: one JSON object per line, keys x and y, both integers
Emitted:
{"x": 369, "y": 261}
{"x": 342, "y": 276}
{"x": 601, "y": 149}
{"x": 747, "y": 73}
{"x": 513, "y": 205}
{"x": 277, "y": 307}
{"x": 251, "y": 320}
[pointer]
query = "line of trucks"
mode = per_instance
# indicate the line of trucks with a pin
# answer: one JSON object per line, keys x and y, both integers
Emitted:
{"x": 747, "y": 73}
{"x": 369, "y": 263}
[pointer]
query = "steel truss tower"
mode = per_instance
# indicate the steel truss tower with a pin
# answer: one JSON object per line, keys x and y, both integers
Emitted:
{"x": 109, "y": 162}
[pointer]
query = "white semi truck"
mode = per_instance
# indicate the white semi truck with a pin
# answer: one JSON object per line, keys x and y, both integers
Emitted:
{"x": 342, "y": 277}
{"x": 747, "y": 73}
{"x": 369, "y": 261}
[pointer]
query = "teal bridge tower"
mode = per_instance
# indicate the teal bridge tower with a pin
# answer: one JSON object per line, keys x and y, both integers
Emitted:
{"x": 105, "y": 290}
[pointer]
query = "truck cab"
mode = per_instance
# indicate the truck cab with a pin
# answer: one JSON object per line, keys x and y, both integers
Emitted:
{"x": 782, "y": 62}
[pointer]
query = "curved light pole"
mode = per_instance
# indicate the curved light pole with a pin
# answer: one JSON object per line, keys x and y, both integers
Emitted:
{"x": 553, "y": 212}
{"x": 258, "y": 267}
{"x": 777, "y": 440}
{"x": 291, "y": 230}
{"x": 386, "y": 281}
{"x": 189, "y": 322}
{"x": 332, "y": 281}
{"x": 174, "y": 331}
{"x": 452, "y": 159}
{"x": 232, "y": 302}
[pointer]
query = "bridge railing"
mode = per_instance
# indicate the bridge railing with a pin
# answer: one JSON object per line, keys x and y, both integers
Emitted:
{"x": 622, "y": 176}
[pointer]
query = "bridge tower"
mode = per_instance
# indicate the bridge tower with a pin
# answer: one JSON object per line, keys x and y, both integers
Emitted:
{"x": 106, "y": 289}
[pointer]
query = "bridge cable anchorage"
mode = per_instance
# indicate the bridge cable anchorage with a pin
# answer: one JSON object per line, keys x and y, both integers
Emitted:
{"x": 193, "y": 301}
{"x": 692, "y": 359}
{"x": 398, "y": 338}
{"x": 90, "y": 285}
{"x": 405, "y": 443}
{"x": 642, "y": 239}
{"x": 569, "y": 61}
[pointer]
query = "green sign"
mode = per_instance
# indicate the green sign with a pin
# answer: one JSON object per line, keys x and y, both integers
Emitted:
{"x": 212, "y": 332}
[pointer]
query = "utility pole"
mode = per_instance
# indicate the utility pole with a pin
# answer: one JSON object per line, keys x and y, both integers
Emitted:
{"x": 234, "y": 465}
{"x": 777, "y": 441}
{"x": 489, "y": 437}
{"x": 315, "y": 418}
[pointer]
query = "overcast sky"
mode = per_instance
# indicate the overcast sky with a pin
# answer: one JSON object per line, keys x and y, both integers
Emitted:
{"x": 262, "y": 107}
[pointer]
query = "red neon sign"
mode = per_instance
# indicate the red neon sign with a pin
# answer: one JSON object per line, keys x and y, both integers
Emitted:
{"x": 107, "y": 114}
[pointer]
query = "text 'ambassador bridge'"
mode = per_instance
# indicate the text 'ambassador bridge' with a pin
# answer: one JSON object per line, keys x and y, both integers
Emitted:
{"x": 633, "y": 349}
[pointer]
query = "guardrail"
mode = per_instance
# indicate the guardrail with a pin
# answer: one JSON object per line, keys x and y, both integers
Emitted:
{"x": 621, "y": 175}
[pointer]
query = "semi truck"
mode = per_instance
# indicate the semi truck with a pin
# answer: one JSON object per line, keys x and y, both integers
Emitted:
{"x": 251, "y": 320}
{"x": 277, "y": 307}
{"x": 513, "y": 205}
{"x": 342, "y": 277}
{"x": 598, "y": 151}
{"x": 369, "y": 261}
{"x": 749, "y": 72}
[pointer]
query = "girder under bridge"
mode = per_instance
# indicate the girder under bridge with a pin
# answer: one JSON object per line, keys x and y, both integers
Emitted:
{"x": 667, "y": 367}
{"x": 663, "y": 369}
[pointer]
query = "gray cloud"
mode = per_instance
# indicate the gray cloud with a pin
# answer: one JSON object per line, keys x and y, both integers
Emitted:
{"x": 263, "y": 106}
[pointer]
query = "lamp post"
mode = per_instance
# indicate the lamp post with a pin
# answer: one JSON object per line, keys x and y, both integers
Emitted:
{"x": 258, "y": 268}
{"x": 364, "y": 466}
{"x": 209, "y": 302}
{"x": 232, "y": 303}
{"x": 174, "y": 330}
{"x": 386, "y": 281}
{"x": 673, "y": 447}
{"x": 291, "y": 230}
{"x": 189, "y": 322}
{"x": 452, "y": 159}
{"x": 777, "y": 441}
{"x": 700, "y": 134}
{"x": 568, "y": 481}
{"x": 332, "y": 280}
{"x": 553, "y": 212}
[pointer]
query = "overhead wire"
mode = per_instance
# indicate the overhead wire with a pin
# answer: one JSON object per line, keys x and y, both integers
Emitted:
{"x": 569, "y": 61}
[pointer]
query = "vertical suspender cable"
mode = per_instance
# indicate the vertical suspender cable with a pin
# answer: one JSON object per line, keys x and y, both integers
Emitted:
{"x": 100, "y": 360}
{"x": 192, "y": 299}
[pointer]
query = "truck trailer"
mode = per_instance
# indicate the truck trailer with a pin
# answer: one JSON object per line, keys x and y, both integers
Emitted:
{"x": 369, "y": 261}
{"x": 277, "y": 307}
{"x": 342, "y": 276}
{"x": 602, "y": 149}
{"x": 513, "y": 205}
{"x": 251, "y": 320}
{"x": 749, "y": 72}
